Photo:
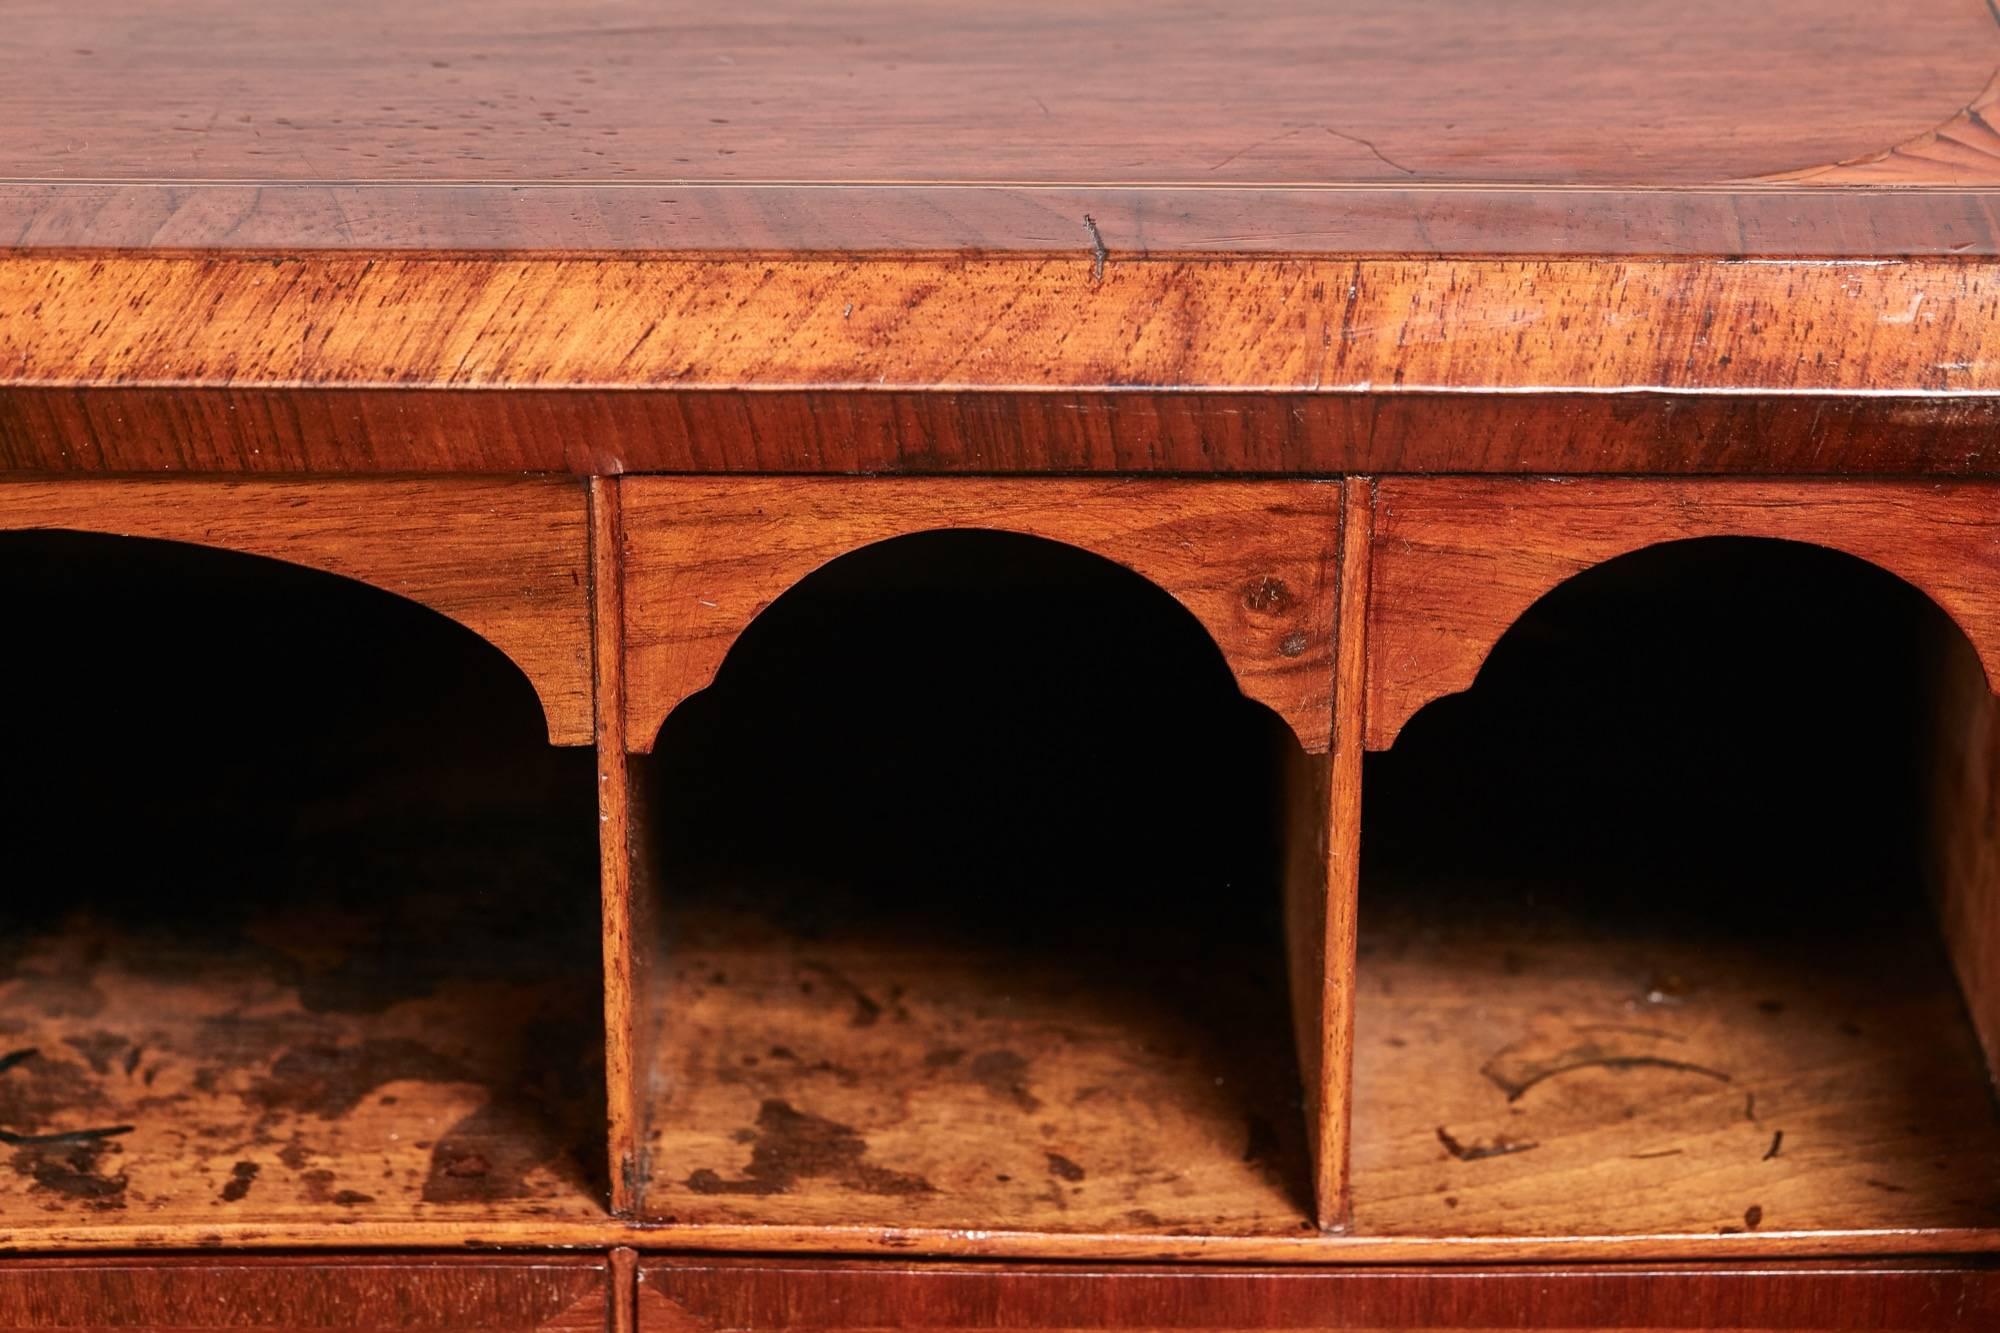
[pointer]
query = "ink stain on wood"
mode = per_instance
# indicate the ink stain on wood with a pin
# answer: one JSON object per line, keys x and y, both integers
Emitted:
{"x": 1501, "y": 1146}
{"x": 1063, "y": 1168}
{"x": 867, "y": 1010}
{"x": 330, "y": 1081}
{"x": 1004, "y": 1075}
{"x": 241, "y": 1177}
{"x": 74, "y": 1170}
{"x": 793, "y": 1145}
{"x": 1523, "y": 1066}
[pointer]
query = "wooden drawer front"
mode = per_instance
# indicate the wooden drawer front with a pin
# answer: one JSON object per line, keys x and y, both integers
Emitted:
{"x": 354, "y": 1295}
{"x": 683, "y": 1296}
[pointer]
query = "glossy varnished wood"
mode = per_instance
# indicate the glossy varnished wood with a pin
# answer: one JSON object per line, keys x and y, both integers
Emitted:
{"x": 691, "y": 1295}
{"x": 1252, "y": 561}
{"x": 527, "y": 91}
{"x": 363, "y": 1293}
{"x": 995, "y": 365}
{"x": 505, "y": 558}
{"x": 1963, "y": 854}
{"x": 1457, "y": 560}
{"x": 657, "y": 129}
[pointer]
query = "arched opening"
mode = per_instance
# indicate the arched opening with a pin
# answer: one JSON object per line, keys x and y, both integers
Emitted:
{"x": 301, "y": 915}
{"x": 969, "y": 865}
{"x": 1646, "y": 946}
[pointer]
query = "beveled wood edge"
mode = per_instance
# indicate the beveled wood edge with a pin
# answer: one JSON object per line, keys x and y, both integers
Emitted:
{"x": 1316, "y": 328}
{"x": 52, "y": 432}
{"x": 1879, "y": 206}
{"x": 443, "y": 1238}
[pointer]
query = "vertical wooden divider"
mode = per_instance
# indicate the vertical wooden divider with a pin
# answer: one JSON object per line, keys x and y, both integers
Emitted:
{"x": 1343, "y": 862}
{"x": 624, "y": 963}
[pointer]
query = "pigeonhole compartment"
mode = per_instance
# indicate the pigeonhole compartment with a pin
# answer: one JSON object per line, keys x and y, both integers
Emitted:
{"x": 969, "y": 871}
{"x": 1650, "y": 914}
{"x": 302, "y": 924}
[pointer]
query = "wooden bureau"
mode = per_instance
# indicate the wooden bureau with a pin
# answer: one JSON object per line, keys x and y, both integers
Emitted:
{"x": 890, "y": 664}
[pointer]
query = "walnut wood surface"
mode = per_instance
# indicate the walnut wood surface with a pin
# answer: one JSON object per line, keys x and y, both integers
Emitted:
{"x": 504, "y": 558}
{"x": 301, "y": 924}
{"x": 1252, "y": 561}
{"x": 1457, "y": 560}
{"x": 995, "y": 365}
{"x": 535, "y": 126}
{"x": 692, "y": 1295}
{"x": 352, "y": 1293}
{"x": 628, "y": 908}
{"x": 1343, "y": 850}
{"x": 1670, "y": 1120}
{"x": 1963, "y": 863}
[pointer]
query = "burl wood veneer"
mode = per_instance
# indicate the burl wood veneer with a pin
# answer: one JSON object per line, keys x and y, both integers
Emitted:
{"x": 1294, "y": 634}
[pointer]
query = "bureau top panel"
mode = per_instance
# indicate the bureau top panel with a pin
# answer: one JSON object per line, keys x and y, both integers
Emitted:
{"x": 1357, "y": 125}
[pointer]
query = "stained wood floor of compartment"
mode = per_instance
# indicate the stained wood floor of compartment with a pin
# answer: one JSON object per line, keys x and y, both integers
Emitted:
{"x": 1597, "y": 1059}
{"x": 821, "y": 1063}
{"x": 176, "y": 1058}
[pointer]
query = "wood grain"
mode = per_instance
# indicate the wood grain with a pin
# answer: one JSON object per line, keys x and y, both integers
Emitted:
{"x": 1343, "y": 850}
{"x": 687, "y": 1295}
{"x": 1965, "y": 148}
{"x": 1457, "y": 560}
{"x": 382, "y": 364}
{"x": 1754, "y": 1089}
{"x": 971, "y": 863}
{"x": 628, "y": 917}
{"x": 301, "y": 924}
{"x": 368, "y": 1294}
{"x": 1756, "y": 220}
{"x": 527, "y": 91}
{"x": 1251, "y": 561}
{"x": 960, "y": 322}
{"x": 506, "y": 559}
{"x": 1306, "y": 797}
{"x": 525, "y": 125}
{"x": 1003, "y": 1086}
{"x": 1963, "y": 855}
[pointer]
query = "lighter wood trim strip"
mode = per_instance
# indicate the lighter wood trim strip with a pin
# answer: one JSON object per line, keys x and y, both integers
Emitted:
{"x": 622, "y": 1097}
{"x": 1343, "y": 877}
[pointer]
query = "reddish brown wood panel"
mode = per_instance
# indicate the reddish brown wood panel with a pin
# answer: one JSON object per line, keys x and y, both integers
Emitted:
{"x": 528, "y": 91}
{"x": 628, "y": 914}
{"x": 529, "y": 125}
{"x": 507, "y": 559}
{"x": 1963, "y": 835}
{"x": 1966, "y": 147}
{"x": 1382, "y": 429}
{"x": 354, "y": 1294}
{"x": 1457, "y": 560}
{"x": 1252, "y": 561}
{"x": 930, "y": 364}
{"x": 1761, "y": 220}
{"x": 689, "y": 1296}
{"x": 1310, "y": 326}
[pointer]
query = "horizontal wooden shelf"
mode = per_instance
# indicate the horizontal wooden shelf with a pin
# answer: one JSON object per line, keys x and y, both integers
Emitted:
{"x": 1529, "y": 1062}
